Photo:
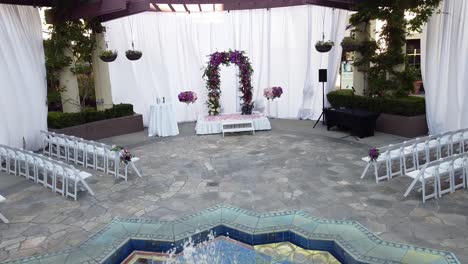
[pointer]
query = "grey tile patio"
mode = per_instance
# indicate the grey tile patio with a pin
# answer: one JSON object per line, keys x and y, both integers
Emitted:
{"x": 292, "y": 167}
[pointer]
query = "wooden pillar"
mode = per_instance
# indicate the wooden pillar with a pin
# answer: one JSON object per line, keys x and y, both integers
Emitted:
{"x": 102, "y": 83}
{"x": 71, "y": 94}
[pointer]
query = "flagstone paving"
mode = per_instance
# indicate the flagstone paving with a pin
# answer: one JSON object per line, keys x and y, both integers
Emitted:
{"x": 290, "y": 168}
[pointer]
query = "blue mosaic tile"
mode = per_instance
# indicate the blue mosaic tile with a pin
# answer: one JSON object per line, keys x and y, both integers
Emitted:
{"x": 347, "y": 241}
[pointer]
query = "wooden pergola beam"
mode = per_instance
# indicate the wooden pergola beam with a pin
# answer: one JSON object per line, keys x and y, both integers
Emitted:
{"x": 105, "y": 10}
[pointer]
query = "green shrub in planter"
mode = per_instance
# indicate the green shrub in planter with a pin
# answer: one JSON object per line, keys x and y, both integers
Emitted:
{"x": 119, "y": 110}
{"x": 61, "y": 120}
{"x": 406, "y": 106}
{"x": 57, "y": 120}
{"x": 92, "y": 115}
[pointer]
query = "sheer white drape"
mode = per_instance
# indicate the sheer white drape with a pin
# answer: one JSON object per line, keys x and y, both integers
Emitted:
{"x": 279, "y": 42}
{"x": 23, "y": 110}
{"x": 444, "y": 54}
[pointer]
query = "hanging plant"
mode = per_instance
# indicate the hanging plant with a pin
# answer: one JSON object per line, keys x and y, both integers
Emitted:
{"x": 133, "y": 54}
{"x": 324, "y": 46}
{"x": 350, "y": 44}
{"x": 108, "y": 55}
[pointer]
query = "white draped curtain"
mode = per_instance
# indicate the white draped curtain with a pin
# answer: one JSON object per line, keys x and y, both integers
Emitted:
{"x": 279, "y": 42}
{"x": 23, "y": 110}
{"x": 444, "y": 54}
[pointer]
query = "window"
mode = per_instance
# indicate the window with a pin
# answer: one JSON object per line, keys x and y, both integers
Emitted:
{"x": 413, "y": 52}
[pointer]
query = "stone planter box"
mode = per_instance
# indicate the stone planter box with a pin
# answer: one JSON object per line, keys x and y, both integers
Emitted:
{"x": 405, "y": 126}
{"x": 105, "y": 128}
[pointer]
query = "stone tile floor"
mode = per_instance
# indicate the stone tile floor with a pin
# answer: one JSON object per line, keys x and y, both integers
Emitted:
{"x": 291, "y": 167}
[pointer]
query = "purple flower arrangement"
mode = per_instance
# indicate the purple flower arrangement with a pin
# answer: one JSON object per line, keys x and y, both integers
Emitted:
{"x": 124, "y": 154}
{"x": 213, "y": 78}
{"x": 374, "y": 154}
{"x": 272, "y": 92}
{"x": 187, "y": 97}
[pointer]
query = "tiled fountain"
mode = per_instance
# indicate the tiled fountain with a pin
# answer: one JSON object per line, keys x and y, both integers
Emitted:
{"x": 346, "y": 241}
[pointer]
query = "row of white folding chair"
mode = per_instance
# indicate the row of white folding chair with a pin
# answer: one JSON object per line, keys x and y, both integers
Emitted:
{"x": 413, "y": 149}
{"x": 74, "y": 149}
{"x": 92, "y": 154}
{"x": 447, "y": 168}
{"x": 58, "y": 176}
{"x": 80, "y": 151}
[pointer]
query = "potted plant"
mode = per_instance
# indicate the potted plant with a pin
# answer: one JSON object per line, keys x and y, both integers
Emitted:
{"x": 324, "y": 46}
{"x": 133, "y": 54}
{"x": 108, "y": 55}
{"x": 416, "y": 77}
{"x": 350, "y": 44}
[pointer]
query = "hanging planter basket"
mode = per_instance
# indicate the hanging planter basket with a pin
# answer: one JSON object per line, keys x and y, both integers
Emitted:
{"x": 133, "y": 54}
{"x": 349, "y": 44}
{"x": 108, "y": 55}
{"x": 323, "y": 46}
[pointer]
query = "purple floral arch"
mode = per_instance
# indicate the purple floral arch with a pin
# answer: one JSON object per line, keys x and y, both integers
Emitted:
{"x": 213, "y": 82}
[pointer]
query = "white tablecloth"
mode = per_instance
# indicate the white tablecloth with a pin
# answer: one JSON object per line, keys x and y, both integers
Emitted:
{"x": 212, "y": 124}
{"x": 162, "y": 120}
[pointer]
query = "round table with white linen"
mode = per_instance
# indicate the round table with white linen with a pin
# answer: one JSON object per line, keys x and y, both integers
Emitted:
{"x": 162, "y": 120}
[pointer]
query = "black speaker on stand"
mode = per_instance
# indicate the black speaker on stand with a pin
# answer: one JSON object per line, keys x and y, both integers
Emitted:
{"x": 323, "y": 80}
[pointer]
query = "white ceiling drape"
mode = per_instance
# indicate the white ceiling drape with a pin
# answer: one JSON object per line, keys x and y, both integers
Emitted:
{"x": 23, "y": 90}
{"x": 444, "y": 55}
{"x": 279, "y": 42}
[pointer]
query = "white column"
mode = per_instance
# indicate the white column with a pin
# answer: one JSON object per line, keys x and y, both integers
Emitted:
{"x": 102, "y": 83}
{"x": 71, "y": 94}
{"x": 364, "y": 32}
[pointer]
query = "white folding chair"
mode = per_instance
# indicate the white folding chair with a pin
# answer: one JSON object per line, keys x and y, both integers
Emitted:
{"x": 459, "y": 172}
{"x": 21, "y": 160}
{"x": 90, "y": 153}
{"x": 113, "y": 161}
{"x": 30, "y": 166}
{"x": 3, "y": 159}
{"x": 49, "y": 173}
{"x": 460, "y": 138}
{"x": 70, "y": 149}
{"x": 387, "y": 155}
{"x": 444, "y": 171}
{"x": 11, "y": 160}
{"x": 71, "y": 183}
{"x": 101, "y": 156}
{"x": 80, "y": 149}
{"x": 60, "y": 179}
{"x": 38, "y": 168}
{"x": 423, "y": 176}
{"x": 2, "y": 217}
{"x": 73, "y": 178}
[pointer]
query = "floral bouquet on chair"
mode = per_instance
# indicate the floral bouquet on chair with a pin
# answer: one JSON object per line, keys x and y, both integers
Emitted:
{"x": 374, "y": 154}
{"x": 187, "y": 97}
{"x": 124, "y": 155}
{"x": 272, "y": 93}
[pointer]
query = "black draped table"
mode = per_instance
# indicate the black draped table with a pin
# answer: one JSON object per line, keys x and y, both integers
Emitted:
{"x": 360, "y": 122}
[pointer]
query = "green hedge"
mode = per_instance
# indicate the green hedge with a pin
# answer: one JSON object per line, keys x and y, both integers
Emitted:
{"x": 59, "y": 120}
{"x": 406, "y": 106}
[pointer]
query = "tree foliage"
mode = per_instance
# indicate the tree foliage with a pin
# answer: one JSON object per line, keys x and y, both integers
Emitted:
{"x": 383, "y": 58}
{"x": 77, "y": 36}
